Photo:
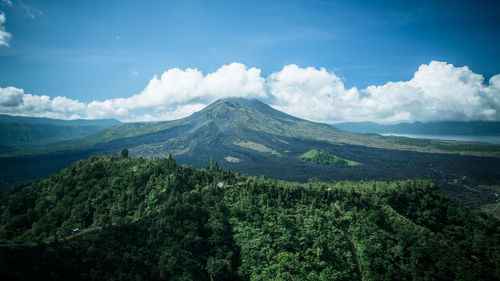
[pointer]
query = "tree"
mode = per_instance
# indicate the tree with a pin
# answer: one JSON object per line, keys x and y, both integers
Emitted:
{"x": 124, "y": 153}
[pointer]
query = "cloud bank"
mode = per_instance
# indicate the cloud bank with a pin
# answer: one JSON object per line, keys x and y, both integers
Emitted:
{"x": 4, "y": 35}
{"x": 437, "y": 91}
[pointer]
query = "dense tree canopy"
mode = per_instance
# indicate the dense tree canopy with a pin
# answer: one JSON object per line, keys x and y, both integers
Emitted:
{"x": 157, "y": 220}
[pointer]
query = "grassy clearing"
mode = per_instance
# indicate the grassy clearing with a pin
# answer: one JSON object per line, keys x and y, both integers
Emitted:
{"x": 324, "y": 158}
{"x": 232, "y": 159}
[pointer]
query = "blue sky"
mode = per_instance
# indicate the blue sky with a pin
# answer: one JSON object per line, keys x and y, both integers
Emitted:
{"x": 99, "y": 50}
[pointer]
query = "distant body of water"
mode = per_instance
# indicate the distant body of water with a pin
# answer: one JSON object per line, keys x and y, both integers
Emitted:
{"x": 486, "y": 139}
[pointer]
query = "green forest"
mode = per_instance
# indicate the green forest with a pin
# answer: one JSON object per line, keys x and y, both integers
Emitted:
{"x": 141, "y": 219}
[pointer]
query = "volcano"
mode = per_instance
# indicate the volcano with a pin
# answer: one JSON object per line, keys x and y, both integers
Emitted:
{"x": 251, "y": 137}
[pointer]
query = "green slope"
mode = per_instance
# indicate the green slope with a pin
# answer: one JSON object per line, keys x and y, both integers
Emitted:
{"x": 324, "y": 158}
{"x": 19, "y": 133}
{"x": 155, "y": 220}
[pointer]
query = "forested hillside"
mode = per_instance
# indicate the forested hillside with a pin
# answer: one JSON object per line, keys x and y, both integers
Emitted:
{"x": 156, "y": 220}
{"x": 18, "y": 133}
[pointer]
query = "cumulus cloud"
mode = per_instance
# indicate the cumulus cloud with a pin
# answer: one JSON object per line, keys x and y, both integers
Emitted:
{"x": 179, "y": 87}
{"x": 175, "y": 94}
{"x": 4, "y": 35}
{"x": 11, "y": 97}
{"x": 311, "y": 93}
{"x": 437, "y": 91}
{"x": 14, "y": 101}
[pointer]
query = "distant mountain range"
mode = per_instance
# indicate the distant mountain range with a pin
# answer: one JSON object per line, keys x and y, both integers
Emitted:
{"x": 18, "y": 132}
{"x": 232, "y": 118}
{"x": 476, "y": 128}
{"x": 251, "y": 137}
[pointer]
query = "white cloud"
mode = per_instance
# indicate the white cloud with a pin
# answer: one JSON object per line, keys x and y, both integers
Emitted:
{"x": 178, "y": 87}
{"x": 441, "y": 91}
{"x": 4, "y": 35}
{"x": 311, "y": 93}
{"x": 177, "y": 93}
{"x": 11, "y": 97}
{"x": 15, "y": 101}
{"x": 437, "y": 91}
{"x": 30, "y": 11}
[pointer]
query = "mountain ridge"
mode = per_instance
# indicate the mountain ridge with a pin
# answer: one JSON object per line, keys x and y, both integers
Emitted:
{"x": 481, "y": 128}
{"x": 20, "y": 132}
{"x": 259, "y": 116}
{"x": 6, "y": 118}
